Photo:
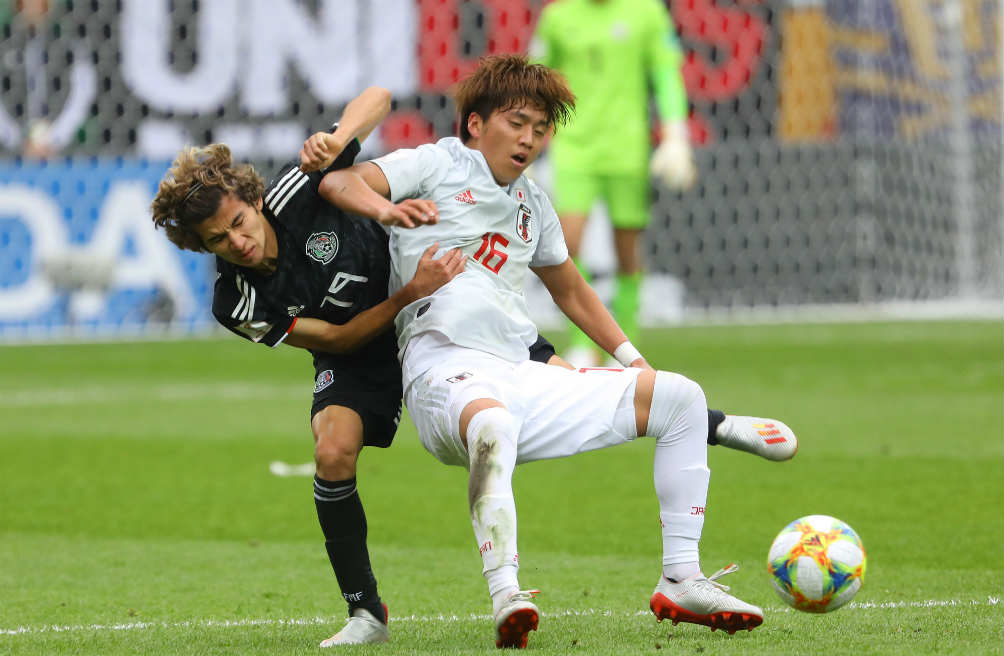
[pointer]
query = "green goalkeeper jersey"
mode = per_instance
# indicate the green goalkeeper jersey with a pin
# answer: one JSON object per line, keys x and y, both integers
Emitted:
{"x": 612, "y": 52}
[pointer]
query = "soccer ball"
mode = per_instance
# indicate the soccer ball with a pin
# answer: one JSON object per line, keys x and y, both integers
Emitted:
{"x": 816, "y": 564}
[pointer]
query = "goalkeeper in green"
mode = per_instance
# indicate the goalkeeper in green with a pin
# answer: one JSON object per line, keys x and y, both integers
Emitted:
{"x": 612, "y": 52}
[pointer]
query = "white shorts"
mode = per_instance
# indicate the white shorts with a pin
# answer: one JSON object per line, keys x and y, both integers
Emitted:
{"x": 559, "y": 411}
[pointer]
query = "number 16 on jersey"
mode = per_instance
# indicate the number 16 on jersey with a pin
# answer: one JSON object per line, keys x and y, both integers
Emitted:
{"x": 490, "y": 254}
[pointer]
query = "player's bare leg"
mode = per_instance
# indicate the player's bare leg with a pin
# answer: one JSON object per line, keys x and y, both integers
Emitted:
{"x": 673, "y": 409}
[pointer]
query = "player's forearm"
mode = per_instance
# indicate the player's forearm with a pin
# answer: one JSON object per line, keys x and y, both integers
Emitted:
{"x": 579, "y": 302}
{"x": 363, "y": 328}
{"x": 666, "y": 73}
{"x": 341, "y": 339}
{"x": 670, "y": 94}
{"x": 585, "y": 309}
{"x": 362, "y": 115}
{"x": 347, "y": 190}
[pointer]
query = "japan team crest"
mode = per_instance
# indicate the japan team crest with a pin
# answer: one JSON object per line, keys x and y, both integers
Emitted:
{"x": 322, "y": 246}
{"x": 524, "y": 220}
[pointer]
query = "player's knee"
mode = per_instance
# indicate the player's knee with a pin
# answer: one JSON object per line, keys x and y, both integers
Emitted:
{"x": 470, "y": 411}
{"x": 492, "y": 453}
{"x": 672, "y": 396}
{"x": 336, "y": 453}
{"x": 334, "y": 461}
{"x": 489, "y": 426}
{"x": 338, "y": 438}
{"x": 489, "y": 444}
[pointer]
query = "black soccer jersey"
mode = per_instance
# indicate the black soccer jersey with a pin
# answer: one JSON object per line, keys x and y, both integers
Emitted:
{"x": 331, "y": 265}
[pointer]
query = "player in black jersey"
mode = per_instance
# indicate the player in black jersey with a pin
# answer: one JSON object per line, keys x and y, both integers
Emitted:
{"x": 292, "y": 268}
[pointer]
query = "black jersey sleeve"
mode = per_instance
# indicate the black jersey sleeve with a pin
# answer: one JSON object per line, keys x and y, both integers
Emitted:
{"x": 345, "y": 158}
{"x": 541, "y": 350}
{"x": 236, "y": 306}
{"x": 292, "y": 191}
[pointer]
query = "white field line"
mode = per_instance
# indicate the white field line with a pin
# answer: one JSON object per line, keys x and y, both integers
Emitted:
{"x": 92, "y": 394}
{"x": 472, "y": 617}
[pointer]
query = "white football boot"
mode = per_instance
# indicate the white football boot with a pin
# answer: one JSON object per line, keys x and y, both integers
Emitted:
{"x": 515, "y": 619}
{"x": 768, "y": 438}
{"x": 361, "y": 629}
{"x": 701, "y": 600}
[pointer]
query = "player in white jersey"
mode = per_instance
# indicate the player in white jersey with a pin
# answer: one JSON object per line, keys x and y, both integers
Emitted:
{"x": 477, "y": 400}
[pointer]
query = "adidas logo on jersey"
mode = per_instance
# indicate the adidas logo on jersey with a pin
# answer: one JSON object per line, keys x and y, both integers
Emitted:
{"x": 466, "y": 196}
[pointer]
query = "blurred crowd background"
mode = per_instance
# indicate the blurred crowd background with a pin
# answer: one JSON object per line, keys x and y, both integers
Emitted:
{"x": 849, "y": 151}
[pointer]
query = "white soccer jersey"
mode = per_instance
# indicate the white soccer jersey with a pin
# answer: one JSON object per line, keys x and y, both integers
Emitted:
{"x": 502, "y": 230}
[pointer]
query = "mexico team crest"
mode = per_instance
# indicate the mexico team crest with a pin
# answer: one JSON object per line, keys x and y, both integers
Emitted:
{"x": 524, "y": 221}
{"x": 324, "y": 379}
{"x": 322, "y": 246}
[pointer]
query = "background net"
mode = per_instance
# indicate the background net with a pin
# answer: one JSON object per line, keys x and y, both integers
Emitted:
{"x": 849, "y": 150}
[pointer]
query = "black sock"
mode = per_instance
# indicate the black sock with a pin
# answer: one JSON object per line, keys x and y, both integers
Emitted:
{"x": 715, "y": 417}
{"x": 343, "y": 521}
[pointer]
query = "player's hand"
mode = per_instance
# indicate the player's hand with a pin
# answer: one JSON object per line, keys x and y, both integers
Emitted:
{"x": 673, "y": 161}
{"x": 432, "y": 273}
{"x": 409, "y": 213}
{"x": 558, "y": 361}
{"x": 641, "y": 363}
{"x": 319, "y": 151}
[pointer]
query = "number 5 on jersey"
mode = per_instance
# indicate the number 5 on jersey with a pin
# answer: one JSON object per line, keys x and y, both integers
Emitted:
{"x": 490, "y": 253}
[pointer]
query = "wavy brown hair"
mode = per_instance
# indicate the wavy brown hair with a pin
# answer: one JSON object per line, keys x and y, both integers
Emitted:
{"x": 192, "y": 189}
{"x": 504, "y": 82}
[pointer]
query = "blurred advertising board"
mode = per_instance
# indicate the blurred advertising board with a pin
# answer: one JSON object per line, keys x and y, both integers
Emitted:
{"x": 79, "y": 254}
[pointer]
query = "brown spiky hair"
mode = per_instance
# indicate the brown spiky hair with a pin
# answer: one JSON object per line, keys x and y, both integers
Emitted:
{"x": 193, "y": 187}
{"x": 504, "y": 82}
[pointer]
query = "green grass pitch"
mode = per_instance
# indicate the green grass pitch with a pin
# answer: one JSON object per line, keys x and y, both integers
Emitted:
{"x": 138, "y": 514}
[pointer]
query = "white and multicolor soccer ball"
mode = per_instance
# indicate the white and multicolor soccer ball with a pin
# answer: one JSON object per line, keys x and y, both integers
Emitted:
{"x": 816, "y": 563}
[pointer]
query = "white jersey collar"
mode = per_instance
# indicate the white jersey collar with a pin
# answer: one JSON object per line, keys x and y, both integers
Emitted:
{"x": 456, "y": 147}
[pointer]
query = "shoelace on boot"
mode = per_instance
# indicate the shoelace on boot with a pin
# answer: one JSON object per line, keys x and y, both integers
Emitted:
{"x": 523, "y": 595}
{"x": 728, "y": 569}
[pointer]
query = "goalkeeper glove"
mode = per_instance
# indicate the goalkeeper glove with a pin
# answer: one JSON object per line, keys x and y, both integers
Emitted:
{"x": 673, "y": 161}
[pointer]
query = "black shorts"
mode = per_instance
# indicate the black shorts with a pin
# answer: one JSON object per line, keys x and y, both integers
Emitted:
{"x": 372, "y": 391}
{"x": 541, "y": 350}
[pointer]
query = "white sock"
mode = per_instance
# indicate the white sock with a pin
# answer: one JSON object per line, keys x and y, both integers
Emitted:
{"x": 491, "y": 446}
{"x": 678, "y": 419}
{"x": 680, "y": 571}
{"x": 501, "y": 583}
